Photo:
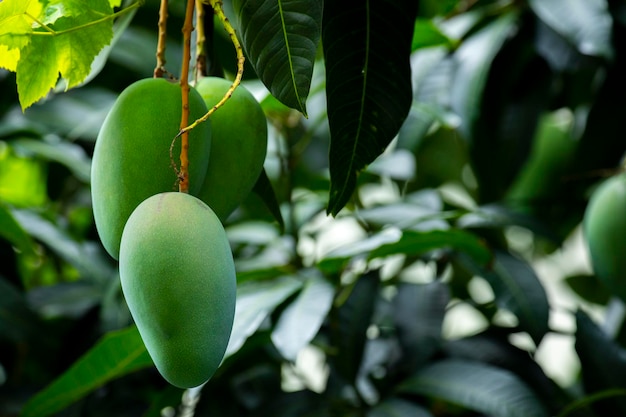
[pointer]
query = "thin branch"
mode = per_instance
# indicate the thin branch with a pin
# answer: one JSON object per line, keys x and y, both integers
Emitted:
{"x": 183, "y": 184}
{"x": 217, "y": 7}
{"x": 159, "y": 70}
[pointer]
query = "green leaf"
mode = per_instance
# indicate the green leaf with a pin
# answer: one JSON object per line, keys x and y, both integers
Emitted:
{"x": 518, "y": 290}
{"x": 424, "y": 304}
{"x": 585, "y": 23}
{"x": 603, "y": 363}
{"x": 416, "y": 242}
{"x": 263, "y": 188}
{"x": 65, "y": 153}
{"x": 15, "y": 29}
{"x": 79, "y": 36}
{"x": 280, "y": 38}
{"x": 398, "y": 407}
{"x": 475, "y": 386}
{"x": 18, "y": 323}
{"x": 367, "y": 45}
{"x": 256, "y": 300}
{"x": 301, "y": 320}
{"x": 118, "y": 353}
{"x": 353, "y": 318}
{"x": 12, "y": 231}
{"x": 473, "y": 59}
{"x": 427, "y": 34}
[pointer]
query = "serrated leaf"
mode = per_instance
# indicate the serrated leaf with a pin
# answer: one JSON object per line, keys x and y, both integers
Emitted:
{"x": 473, "y": 59}
{"x": 475, "y": 386}
{"x": 255, "y": 301}
{"x": 68, "y": 52}
{"x": 280, "y": 38}
{"x": 9, "y": 58}
{"x": 585, "y": 23}
{"x": 118, "y": 353}
{"x": 16, "y": 27}
{"x": 368, "y": 84}
{"x": 301, "y": 320}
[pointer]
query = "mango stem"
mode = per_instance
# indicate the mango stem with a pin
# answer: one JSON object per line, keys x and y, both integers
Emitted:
{"x": 183, "y": 175}
{"x": 159, "y": 70}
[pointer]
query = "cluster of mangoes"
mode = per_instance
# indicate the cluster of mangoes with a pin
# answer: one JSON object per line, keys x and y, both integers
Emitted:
{"x": 176, "y": 266}
{"x": 604, "y": 226}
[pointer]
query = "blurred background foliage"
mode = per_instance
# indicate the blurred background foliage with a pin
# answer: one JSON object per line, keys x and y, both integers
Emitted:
{"x": 455, "y": 283}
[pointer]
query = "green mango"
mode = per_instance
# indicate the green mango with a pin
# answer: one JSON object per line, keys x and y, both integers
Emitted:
{"x": 238, "y": 149}
{"x": 178, "y": 278}
{"x": 131, "y": 158}
{"x": 604, "y": 227}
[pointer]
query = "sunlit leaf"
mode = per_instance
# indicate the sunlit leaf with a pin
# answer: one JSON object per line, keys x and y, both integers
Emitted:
{"x": 301, "y": 320}
{"x": 116, "y": 354}
{"x": 255, "y": 301}
{"x": 477, "y": 387}
{"x": 585, "y": 23}
{"x": 68, "y": 52}
{"x": 368, "y": 84}
{"x": 281, "y": 38}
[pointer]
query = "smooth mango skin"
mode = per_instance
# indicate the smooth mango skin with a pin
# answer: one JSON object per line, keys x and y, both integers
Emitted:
{"x": 604, "y": 227}
{"x": 178, "y": 278}
{"x": 239, "y": 146}
{"x": 131, "y": 158}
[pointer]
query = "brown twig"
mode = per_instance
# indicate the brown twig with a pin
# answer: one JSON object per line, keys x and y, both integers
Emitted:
{"x": 159, "y": 70}
{"x": 183, "y": 175}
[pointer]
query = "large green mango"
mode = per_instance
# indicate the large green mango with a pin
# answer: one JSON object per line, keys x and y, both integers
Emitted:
{"x": 178, "y": 278}
{"x": 238, "y": 149}
{"x": 131, "y": 158}
{"x": 604, "y": 227}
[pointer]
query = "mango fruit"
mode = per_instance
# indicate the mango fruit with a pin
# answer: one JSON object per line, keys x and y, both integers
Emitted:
{"x": 178, "y": 278}
{"x": 604, "y": 228}
{"x": 131, "y": 158}
{"x": 239, "y": 146}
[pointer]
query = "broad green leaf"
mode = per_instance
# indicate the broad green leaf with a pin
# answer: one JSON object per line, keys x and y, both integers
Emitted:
{"x": 255, "y": 302}
{"x": 473, "y": 59}
{"x": 367, "y": 46}
{"x": 15, "y": 29}
{"x": 12, "y": 231}
{"x": 398, "y": 407}
{"x": 118, "y": 353}
{"x": 350, "y": 325}
{"x": 518, "y": 290}
{"x": 416, "y": 242}
{"x": 18, "y": 323}
{"x": 424, "y": 304}
{"x": 603, "y": 363}
{"x": 263, "y": 188}
{"x": 87, "y": 257}
{"x": 22, "y": 179}
{"x": 301, "y": 320}
{"x": 585, "y": 23}
{"x": 475, "y": 386}
{"x": 427, "y": 34}
{"x": 65, "y": 153}
{"x": 68, "y": 52}
{"x": 280, "y": 38}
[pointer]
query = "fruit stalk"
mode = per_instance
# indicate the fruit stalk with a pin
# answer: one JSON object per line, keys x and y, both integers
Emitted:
{"x": 200, "y": 68}
{"x": 160, "y": 53}
{"x": 183, "y": 175}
